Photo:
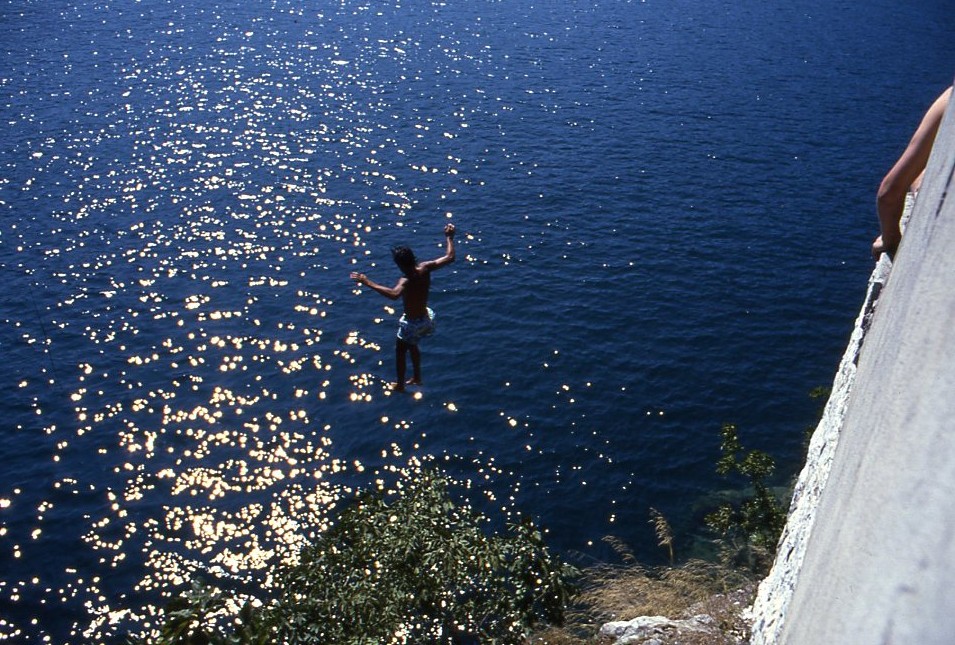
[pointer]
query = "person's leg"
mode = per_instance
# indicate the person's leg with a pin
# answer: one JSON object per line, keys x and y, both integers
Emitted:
{"x": 401, "y": 348}
{"x": 415, "y": 364}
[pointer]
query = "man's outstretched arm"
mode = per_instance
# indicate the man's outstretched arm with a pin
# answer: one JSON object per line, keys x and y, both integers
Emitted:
{"x": 392, "y": 293}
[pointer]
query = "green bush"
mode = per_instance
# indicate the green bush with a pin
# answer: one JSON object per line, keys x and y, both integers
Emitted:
{"x": 759, "y": 519}
{"x": 413, "y": 569}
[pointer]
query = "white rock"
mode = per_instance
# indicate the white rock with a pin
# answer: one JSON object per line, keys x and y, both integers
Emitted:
{"x": 644, "y": 630}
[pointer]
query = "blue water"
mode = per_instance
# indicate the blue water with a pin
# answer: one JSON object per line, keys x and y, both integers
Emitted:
{"x": 664, "y": 212}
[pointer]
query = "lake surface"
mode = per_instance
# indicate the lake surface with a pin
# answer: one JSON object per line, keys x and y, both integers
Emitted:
{"x": 663, "y": 209}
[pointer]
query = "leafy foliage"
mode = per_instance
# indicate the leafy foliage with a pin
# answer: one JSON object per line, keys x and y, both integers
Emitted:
{"x": 758, "y": 520}
{"x": 415, "y": 569}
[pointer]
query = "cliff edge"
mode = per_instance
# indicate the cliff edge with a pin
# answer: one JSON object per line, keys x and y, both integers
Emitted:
{"x": 868, "y": 553}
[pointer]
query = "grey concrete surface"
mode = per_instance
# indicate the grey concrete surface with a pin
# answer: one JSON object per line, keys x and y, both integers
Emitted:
{"x": 771, "y": 604}
{"x": 879, "y": 561}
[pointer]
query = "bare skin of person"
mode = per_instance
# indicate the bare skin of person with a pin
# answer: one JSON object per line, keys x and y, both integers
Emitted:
{"x": 905, "y": 175}
{"x": 413, "y": 288}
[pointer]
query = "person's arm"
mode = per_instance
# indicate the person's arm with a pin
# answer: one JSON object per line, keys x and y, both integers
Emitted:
{"x": 392, "y": 293}
{"x": 890, "y": 201}
{"x": 448, "y": 256}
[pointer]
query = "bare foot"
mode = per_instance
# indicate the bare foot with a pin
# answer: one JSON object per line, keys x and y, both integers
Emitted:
{"x": 414, "y": 381}
{"x": 397, "y": 387}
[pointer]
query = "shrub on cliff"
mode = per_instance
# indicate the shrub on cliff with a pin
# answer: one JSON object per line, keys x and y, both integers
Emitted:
{"x": 754, "y": 525}
{"x": 413, "y": 569}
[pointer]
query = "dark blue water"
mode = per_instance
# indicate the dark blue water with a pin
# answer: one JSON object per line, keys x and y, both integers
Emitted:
{"x": 664, "y": 211}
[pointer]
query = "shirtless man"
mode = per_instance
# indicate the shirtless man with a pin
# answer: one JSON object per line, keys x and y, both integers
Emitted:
{"x": 417, "y": 321}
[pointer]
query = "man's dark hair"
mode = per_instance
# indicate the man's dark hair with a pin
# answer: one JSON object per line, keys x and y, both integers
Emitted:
{"x": 404, "y": 258}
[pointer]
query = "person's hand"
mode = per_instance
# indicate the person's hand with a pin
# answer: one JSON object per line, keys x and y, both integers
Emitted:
{"x": 449, "y": 230}
{"x": 358, "y": 277}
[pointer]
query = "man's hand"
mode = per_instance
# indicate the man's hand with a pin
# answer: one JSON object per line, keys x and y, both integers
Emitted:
{"x": 360, "y": 278}
{"x": 449, "y": 230}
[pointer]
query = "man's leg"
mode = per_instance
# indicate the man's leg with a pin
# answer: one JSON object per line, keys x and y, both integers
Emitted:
{"x": 415, "y": 364}
{"x": 401, "y": 348}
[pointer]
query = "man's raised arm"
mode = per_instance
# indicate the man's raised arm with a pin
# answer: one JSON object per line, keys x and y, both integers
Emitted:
{"x": 448, "y": 256}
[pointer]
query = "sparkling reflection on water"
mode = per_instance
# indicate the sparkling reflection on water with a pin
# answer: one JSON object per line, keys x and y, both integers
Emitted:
{"x": 192, "y": 385}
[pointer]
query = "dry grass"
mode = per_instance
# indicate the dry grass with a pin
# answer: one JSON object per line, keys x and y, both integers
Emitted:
{"x": 626, "y": 591}
{"x": 663, "y": 531}
{"x": 623, "y": 593}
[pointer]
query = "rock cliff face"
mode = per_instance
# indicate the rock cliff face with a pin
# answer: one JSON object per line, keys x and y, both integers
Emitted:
{"x": 868, "y": 554}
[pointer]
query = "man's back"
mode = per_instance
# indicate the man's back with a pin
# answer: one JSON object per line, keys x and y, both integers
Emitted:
{"x": 415, "y": 293}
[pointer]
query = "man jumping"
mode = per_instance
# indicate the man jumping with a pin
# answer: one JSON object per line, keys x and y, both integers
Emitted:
{"x": 417, "y": 321}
